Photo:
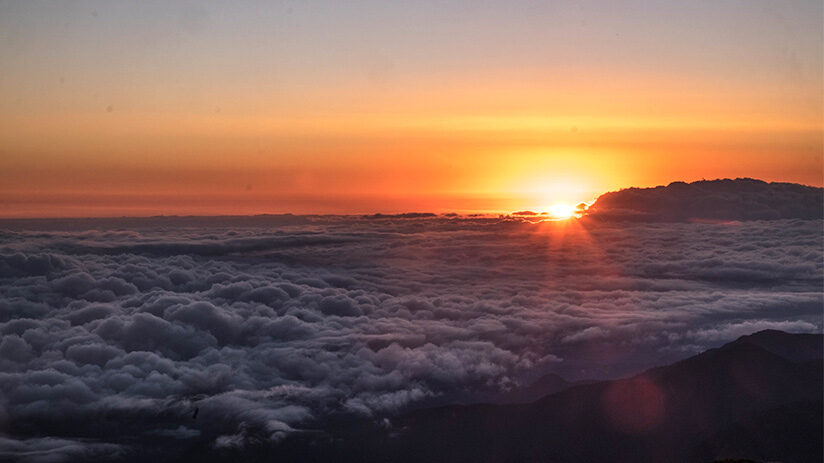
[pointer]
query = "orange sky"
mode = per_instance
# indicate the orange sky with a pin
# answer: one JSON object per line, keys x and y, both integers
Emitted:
{"x": 107, "y": 110}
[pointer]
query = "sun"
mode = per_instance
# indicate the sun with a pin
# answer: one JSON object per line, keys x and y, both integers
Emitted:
{"x": 561, "y": 211}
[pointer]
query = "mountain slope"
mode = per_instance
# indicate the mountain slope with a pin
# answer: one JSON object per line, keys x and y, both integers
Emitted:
{"x": 723, "y": 200}
{"x": 757, "y": 398}
{"x": 694, "y": 410}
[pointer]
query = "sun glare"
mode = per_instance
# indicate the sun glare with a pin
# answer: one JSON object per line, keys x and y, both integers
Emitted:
{"x": 561, "y": 211}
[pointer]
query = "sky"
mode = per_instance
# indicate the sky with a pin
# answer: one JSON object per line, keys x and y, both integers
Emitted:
{"x": 141, "y": 108}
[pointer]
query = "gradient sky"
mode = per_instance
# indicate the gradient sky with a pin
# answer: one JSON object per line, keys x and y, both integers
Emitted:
{"x": 141, "y": 108}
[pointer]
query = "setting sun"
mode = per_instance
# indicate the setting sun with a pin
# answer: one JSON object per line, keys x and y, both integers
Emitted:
{"x": 561, "y": 211}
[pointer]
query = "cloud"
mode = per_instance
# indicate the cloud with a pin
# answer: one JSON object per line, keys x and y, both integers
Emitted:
{"x": 270, "y": 326}
{"x": 48, "y": 450}
{"x": 593, "y": 332}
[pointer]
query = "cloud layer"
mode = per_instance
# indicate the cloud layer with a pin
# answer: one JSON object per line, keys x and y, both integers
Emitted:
{"x": 275, "y": 325}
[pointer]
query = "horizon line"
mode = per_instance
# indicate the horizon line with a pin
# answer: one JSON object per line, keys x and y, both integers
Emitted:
{"x": 457, "y": 212}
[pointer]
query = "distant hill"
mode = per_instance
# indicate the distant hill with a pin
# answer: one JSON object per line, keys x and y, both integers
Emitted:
{"x": 758, "y": 398}
{"x": 724, "y": 200}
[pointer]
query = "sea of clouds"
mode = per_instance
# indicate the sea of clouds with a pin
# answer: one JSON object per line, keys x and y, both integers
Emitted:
{"x": 113, "y": 332}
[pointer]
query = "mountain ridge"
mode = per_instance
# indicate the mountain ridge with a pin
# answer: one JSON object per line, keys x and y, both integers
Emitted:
{"x": 711, "y": 200}
{"x": 738, "y": 401}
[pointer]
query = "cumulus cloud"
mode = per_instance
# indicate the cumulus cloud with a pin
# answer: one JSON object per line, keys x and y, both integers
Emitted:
{"x": 271, "y": 325}
{"x": 53, "y": 450}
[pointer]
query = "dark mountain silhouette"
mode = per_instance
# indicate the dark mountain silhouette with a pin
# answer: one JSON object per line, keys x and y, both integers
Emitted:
{"x": 758, "y": 398}
{"x": 723, "y": 200}
{"x": 547, "y": 384}
{"x": 543, "y": 386}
